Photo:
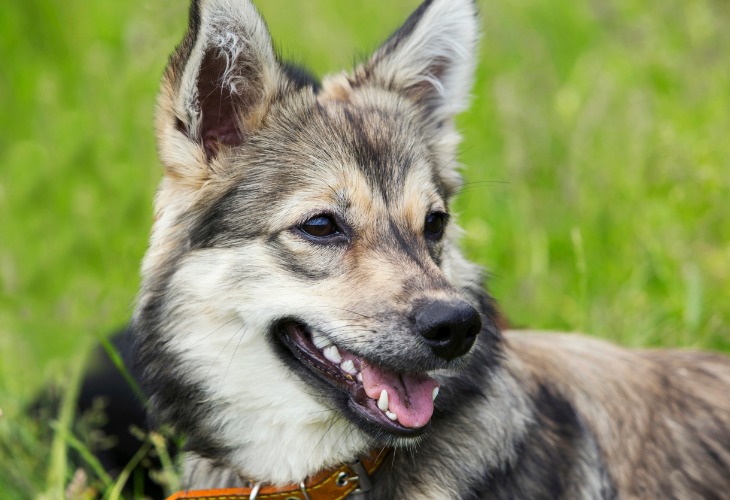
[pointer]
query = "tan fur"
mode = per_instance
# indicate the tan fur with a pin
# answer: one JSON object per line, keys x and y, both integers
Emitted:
{"x": 335, "y": 88}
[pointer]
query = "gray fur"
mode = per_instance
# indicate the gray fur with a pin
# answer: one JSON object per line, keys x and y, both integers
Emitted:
{"x": 520, "y": 416}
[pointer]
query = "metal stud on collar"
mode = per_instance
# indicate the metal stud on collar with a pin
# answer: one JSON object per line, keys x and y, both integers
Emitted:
{"x": 364, "y": 484}
{"x": 303, "y": 489}
{"x": 255, "y": 491}
{"x": 342, "y": 479}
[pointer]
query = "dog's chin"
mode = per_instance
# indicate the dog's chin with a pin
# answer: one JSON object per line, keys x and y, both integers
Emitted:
{"x": 354, "y": 385}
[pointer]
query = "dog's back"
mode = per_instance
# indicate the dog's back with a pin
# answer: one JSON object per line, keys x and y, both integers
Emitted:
{"x": 661, "y": 418}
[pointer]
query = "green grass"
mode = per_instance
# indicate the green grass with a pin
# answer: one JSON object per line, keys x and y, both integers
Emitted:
{"x": 596, "y": 156}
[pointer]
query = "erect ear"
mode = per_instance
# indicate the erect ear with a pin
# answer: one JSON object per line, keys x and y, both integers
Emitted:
{"x": 431, "y": 58}
{"x": 216, "y": 88}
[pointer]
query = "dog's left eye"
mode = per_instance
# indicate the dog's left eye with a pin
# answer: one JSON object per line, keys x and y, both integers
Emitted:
{"x": 434, "y": 226}
{"x": 320, "y": 226}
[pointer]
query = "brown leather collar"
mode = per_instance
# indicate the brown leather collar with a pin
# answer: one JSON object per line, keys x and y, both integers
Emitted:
{"x": 331, "y": 484}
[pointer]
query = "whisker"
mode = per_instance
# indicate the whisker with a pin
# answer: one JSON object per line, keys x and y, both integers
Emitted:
{"x": 225, "y": 347}
{"x": 214, "y": 331}
{"x": 238, "y": 344}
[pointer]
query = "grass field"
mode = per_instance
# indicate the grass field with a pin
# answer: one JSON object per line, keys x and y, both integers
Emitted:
{"x": 597, "y": 165}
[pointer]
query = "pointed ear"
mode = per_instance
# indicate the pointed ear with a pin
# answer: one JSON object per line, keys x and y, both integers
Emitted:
{"x": 431, "y": 58}
{"x": 216, "y": 88}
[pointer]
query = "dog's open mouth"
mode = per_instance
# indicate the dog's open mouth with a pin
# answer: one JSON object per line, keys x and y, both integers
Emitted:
{"x": 399, "y": 403}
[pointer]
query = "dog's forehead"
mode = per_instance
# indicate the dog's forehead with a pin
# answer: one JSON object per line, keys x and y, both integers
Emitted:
{"x": 366, "y": 149}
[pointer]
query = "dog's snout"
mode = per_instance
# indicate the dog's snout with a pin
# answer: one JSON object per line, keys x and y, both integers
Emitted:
{"x": 450, "y": 328}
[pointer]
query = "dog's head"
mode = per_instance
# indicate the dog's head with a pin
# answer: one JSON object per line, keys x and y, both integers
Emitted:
{"x": 302, "y": 283}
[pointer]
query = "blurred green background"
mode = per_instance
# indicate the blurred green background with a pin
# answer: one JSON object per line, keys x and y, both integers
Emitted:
{"x": 596, "y": 153}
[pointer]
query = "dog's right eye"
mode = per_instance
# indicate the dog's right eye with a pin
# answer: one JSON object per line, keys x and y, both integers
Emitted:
{"x": 320, "y": 226}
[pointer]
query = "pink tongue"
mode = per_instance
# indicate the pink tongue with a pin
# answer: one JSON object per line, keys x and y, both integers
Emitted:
{"x": 409, "y": 396}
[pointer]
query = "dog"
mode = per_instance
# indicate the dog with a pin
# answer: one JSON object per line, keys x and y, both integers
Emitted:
{"x": 304, "y": 303}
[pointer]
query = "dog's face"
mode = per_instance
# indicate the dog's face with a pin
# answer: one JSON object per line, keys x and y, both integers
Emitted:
{"x": 302, "y": 283}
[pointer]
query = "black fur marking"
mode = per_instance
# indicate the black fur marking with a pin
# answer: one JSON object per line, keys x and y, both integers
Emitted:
{"x": 386, "y": 153}
{"x": 406, "y": 29}
{"x": 300, "y": 76}
{"x": 368, "y": 154}
{"x": 549, "y": 460}
{"x": 223, "y": 224}
{"x": 180, "y": 56}
{"x": 462, "y": 391}
{"x": 181, "y": 127}
{"x": 174, "y": 400}
{"x": 405, "y": 244}
{"x": 384, "y": 157}
{"x": 308, "y": 269}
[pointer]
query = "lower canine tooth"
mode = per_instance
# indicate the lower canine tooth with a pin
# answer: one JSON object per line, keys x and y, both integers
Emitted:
{"x": 383, "y": 400}
{"x": 359, "y": 377}
{"x": 435, "y": 393}
{"x": 391, "y": 415}
{"x": 332, "y": 354}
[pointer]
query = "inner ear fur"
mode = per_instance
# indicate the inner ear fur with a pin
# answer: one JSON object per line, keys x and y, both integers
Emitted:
{"x": 216, "y": 88}
{"x": 220, "y": 106}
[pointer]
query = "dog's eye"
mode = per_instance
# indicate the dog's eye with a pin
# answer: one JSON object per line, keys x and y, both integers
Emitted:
{"x": 434, "y": 226}
{"x": 320, "y": 226}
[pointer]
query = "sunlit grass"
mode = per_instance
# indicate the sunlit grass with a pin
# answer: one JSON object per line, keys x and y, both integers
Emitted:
{"x": 596, "y": 160}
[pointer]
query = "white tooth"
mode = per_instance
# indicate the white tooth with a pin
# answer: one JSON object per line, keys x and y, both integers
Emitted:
{"x": 383, "y": 400}
{"x": 332, "y": 354}
{"x": 391, "y": 415}
{"x": 349, "y": 367}
{"x": 435, "y": 393}
{"x": 320, "y": 341}
{"x": 359, "y": 377}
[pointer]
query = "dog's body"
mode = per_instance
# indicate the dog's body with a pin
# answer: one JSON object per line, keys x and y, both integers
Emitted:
{"x": 302, "y": 264}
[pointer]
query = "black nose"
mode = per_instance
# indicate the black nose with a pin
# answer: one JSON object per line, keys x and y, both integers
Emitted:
{"x": 450, "y": 328}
